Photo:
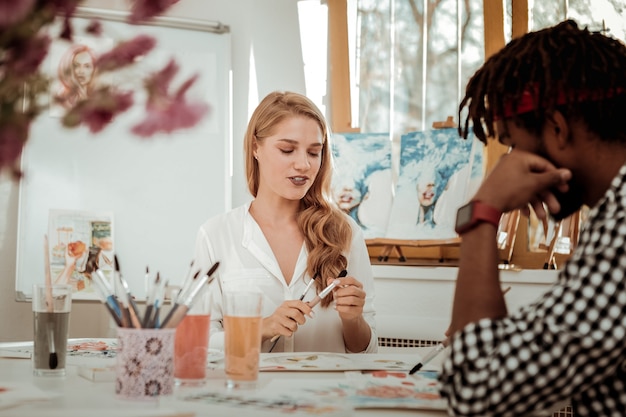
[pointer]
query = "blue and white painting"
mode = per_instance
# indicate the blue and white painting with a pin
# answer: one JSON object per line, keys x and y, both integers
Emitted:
{"x": 439, "y": 172}
{"x": 362, "y": 181}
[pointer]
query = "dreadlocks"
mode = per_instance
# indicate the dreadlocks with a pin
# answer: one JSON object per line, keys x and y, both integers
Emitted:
{"x": 580, "y": 73}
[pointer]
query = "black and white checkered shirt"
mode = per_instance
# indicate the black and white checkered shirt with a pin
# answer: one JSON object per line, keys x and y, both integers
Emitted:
{"x": 570, "y": 345}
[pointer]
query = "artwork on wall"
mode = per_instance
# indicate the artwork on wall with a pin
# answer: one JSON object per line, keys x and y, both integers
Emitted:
{"x": 72, "y": 68}
{"x": 118, "y": 172}
{"x": 80, "y": 243}
{"x": 439, "y": 172}
{"x": 362, "y": 184}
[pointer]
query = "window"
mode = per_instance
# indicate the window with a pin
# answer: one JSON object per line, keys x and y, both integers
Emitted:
{"x": 410, "y": 59}
{"x": 413, "y": 59}
{"x": 607, "y": 15}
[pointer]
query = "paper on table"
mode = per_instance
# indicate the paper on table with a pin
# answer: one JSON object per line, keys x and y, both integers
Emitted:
{"x": 16, "y": 393}
{"x": 126, "y": 412}
{"x": 360, "y": 390}
{"x": 16, "y": 353}
{"x": 390, "y": 389}
{"x": 270, "y": 403}
{"x": 97, "y": 374}
{"x": 85, "y": 351}
{"x": 326, "y": 361}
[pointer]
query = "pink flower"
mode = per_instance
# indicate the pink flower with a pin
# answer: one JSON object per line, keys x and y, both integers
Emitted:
{"x": 99, "y": 109}
{"x": 12, "y": 11}
{"x": 176, "y": 115}
{"x": 143, "y": 10}
{"x": 125, "y": 53}
{"x": 94, "y": 27}
{"x": 26, "y": 58}
{"x": 168, "y": 112}
{"x": 67, "y": 8}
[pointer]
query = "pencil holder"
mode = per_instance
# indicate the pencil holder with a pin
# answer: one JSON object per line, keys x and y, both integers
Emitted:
{"x": 144, "y": 368}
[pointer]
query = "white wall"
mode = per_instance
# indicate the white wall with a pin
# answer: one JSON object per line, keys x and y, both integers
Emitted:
{"x": 267, "y": 27}
{"x": 411, "y": 302}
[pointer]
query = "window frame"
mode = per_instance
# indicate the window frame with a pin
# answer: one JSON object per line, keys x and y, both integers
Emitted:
{"x": 340, "y": 118}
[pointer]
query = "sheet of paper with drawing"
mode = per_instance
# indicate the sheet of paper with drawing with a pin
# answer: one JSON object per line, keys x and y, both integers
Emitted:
{"x": 439, "y": 172}
{"x": 327, "y": 361}
{"x": 362, "y": 182}
{"x": 332, "y": 397}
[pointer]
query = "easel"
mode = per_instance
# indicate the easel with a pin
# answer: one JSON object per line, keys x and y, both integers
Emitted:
{"x": 390, "y": 245}
{"x": 395, "y": 245}
{"x": 507, "y": 232}
{"x": 571, "y": 227}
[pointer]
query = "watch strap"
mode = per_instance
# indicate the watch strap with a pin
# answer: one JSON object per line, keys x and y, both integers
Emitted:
{"x": 480, "y": 213}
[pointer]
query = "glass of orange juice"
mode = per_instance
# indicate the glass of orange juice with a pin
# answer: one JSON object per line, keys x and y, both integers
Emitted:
{"x": 242, "y": 338}
{"x": 191, "y": 345}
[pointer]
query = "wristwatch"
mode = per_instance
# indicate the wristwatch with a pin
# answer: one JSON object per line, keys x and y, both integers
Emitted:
{"x": 474, "y": 213}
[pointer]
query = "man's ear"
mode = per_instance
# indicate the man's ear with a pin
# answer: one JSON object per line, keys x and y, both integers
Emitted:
{"x": 557, "y": 126}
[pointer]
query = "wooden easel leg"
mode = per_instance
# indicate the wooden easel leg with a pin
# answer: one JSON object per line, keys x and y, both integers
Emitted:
{"x": 384, "y": 256}
{"x": 550, "y": 262}
{"x": 401, "y": 257}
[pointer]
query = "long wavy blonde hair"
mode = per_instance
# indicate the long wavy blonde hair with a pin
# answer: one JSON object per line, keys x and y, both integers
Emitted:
{"x": 327, "y": 233}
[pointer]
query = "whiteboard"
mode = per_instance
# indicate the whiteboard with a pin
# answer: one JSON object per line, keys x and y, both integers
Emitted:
{"x": 160, "y": 189}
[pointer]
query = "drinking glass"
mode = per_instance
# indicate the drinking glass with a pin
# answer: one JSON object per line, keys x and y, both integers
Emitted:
{"x": 191, "y": 345}
{"x": 242, "y": 337}
{"x": 51, "y": 307}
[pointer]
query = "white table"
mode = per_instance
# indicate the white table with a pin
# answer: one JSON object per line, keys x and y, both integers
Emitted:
{"x": 79, "y": 397}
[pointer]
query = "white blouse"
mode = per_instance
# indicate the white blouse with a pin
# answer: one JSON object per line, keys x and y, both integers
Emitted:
{"x": 247, "y": 262}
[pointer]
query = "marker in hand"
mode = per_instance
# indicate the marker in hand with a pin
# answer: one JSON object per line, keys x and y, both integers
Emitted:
{"x": 315, "y": 301}
{"x": 432, "y": 354}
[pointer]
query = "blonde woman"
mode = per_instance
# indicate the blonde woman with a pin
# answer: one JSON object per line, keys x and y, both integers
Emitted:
{"x": 290, "y": 233}
{"x": 77, "y": 72}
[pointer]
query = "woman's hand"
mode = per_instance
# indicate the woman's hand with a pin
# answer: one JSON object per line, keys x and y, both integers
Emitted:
{"x": 286, "y": 319}
{"x": 349, "y": 297}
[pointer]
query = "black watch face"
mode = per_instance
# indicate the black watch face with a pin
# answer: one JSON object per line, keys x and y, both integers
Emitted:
{"x": 464, "y": 215}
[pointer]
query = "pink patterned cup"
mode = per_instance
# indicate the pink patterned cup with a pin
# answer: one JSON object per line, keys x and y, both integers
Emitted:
{"x": 144, "y": 368}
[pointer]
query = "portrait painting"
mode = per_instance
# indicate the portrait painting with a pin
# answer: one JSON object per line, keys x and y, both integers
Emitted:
{"x": 73, "y": 71}
{"x": 439, "y": 172}
{"x": 362, "y": 183}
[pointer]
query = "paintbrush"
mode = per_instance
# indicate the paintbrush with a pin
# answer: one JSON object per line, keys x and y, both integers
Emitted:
{"x": 53, "y": 360}
{"x": 159, "y": 297}
{"x": 180, "y": 309}
{"x": 315, "y": 301}
{"x": 147, "y": 316}
{"x": 106, "y": 295}
{"x": 439, "y": 348}
{"x": 129, "y": 299}
{"x": 187, "y": 281}
{"x": 306, "y": 289}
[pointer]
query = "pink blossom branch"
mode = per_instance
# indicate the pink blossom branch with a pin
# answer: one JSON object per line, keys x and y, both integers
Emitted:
{"x": 144, "y": 10}
{"x": 99, "y": 109}
{"x": 12, "y": 12}
{"x": 24, "y": 59}
{"x": 125, "y": 53}
{"x": 167, "y": 112}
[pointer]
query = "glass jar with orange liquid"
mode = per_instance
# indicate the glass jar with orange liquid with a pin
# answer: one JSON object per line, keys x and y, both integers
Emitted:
{"x": 191, "y": 345}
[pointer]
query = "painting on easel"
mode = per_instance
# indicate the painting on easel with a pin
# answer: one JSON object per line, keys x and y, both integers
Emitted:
{"x": 362, "y": 182}
{"x": 439, "y": 172}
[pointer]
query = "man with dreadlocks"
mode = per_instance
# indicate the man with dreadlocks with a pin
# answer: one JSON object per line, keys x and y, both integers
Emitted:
{"x": 557, "y": 98}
